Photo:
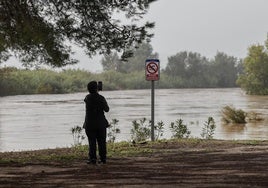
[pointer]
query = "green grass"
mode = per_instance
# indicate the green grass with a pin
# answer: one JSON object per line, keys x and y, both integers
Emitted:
{"x": 120, "y": 150}
{"x": 66, "y": 155}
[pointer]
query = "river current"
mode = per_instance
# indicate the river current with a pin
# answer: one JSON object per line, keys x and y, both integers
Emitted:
{"x": 29, "y": 122}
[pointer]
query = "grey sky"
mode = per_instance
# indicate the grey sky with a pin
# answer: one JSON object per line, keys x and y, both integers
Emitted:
{"x": 208, "y": 26}
{"x": 203, "y": 26}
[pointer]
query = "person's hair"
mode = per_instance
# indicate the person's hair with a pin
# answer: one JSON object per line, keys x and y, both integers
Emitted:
{"x": 92, "y": 87}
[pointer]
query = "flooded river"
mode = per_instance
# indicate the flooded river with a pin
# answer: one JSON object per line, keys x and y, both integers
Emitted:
{"x": 29, "y": 122}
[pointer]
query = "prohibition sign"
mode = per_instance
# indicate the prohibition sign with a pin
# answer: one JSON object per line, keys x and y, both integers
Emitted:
{"x": 152, "y": 68}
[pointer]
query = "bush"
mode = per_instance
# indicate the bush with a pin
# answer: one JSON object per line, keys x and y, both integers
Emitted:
{"x": 140, "y": 130}
{"x": 78, "y": 136}
{"x": 159, "y": 130}
{"x": 179, "y": 129}
{"x": 112, "y": 131}
{"x": 232, "y": 115}
{"x": 208, "y": 129}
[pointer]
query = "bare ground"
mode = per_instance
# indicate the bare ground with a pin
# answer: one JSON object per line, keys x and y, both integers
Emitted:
{"x": 208, "y": 164}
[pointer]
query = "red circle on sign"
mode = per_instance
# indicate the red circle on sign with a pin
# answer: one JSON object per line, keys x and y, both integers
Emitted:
{"x": 152, "y": 67}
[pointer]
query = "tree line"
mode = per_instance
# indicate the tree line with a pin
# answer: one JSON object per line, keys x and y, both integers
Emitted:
{"x": 183, "y": 70}
{"x": 15, "y": 81}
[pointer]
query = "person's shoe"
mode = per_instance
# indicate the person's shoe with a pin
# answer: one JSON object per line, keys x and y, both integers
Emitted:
{"x": 102, "y": 161}
{"x": 91, "y": 162}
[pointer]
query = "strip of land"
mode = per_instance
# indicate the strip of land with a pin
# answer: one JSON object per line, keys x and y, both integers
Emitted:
{"x": 183, "y": 163}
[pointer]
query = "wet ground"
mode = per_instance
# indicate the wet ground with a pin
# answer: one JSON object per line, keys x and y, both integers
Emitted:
{"x": 213, "y": 164}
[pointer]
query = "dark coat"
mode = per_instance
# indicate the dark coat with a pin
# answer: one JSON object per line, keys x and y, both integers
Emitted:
{"x": 96, "y": 105}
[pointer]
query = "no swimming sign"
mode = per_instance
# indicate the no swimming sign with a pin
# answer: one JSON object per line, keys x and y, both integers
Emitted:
{"x": 152, "y": 67}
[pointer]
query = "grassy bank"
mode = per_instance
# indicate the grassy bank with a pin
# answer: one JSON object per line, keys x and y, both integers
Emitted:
{"x": 119, "y": 150}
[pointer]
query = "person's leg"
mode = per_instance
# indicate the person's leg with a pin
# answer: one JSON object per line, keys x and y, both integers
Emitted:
{"x": 92, "y": 146}
{"x": 101, "y": 139}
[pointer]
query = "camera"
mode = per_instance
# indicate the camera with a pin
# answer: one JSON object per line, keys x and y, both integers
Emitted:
{"x": 99, "y": 85}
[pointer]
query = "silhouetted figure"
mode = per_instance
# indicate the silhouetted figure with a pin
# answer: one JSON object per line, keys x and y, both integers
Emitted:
{"x": 96, "y": 123}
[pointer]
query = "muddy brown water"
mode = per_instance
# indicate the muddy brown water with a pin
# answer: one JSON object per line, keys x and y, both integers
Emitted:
{"x": 29, "y": 122}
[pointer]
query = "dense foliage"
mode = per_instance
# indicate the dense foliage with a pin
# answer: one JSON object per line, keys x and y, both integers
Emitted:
{"x": 134, "y": 63}
{"x": 254, "y": 79}
{"x": 183, "y": 70}
{"x": 189, "y": 69}
{"x": 15, "y": 81}
{"x": 233, "y": 115}
{"x": 41, "y": 31}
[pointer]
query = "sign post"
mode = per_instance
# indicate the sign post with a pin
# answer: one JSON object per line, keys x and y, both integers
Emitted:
{"x": 152, "y": 74}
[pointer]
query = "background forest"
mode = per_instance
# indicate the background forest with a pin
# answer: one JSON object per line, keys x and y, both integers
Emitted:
{"x": 183, "y": 70}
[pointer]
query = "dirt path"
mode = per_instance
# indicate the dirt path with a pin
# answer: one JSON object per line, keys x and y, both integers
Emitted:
{"x": 169, "y": 165}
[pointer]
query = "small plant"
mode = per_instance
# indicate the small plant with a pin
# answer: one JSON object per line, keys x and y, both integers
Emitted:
{"x": 179, "y": 129}
{"x": 78, "y": 136}
{"x": 140, "y": 131}
{"x": 159, "y": 130}
{"x": 232, "y": 115}
{"x": 112, "y": 131}
{"x": 208, "y": 129}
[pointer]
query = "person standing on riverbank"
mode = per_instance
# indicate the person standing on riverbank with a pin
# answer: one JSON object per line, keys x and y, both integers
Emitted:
{"x": 96, "y": 123}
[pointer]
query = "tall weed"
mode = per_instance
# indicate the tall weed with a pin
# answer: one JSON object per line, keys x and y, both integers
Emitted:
{"x": 179, "y": 129}
{"x": 208, "y": 129}
{"x": 113, "y": 131}
{"x": 140, "y": 130}
{"x": 78, "y": 135}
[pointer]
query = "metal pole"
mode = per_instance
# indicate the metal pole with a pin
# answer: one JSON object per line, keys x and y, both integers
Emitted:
{"x": 152, "y": 111}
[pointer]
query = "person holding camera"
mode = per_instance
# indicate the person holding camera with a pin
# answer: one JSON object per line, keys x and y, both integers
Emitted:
{"x": 95, "y": 122}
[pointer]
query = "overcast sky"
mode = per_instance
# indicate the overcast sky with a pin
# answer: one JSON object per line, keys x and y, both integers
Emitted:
{"x": 203, "y": 26}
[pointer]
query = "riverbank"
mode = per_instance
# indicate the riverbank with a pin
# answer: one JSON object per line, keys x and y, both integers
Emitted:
{"x": 172, "y": 163}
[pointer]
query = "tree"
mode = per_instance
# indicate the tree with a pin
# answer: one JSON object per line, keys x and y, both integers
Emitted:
{"x": 196, "y": 68}
{"x": 189, "y": 66}
{"x": 140, "y": 54}
{"x": 191, "y": 69}
{"x": 177, "y": 65}
{"x": 194, "y": 64}
{"x": 43, "y": 30}
{"x": 225, "y": 69}
{"x": 131, "y": 64}
{"x": 111, "y": 62}
{"x": 254, "y": 79}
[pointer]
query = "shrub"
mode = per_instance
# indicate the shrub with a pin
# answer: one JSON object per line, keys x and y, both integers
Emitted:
{"x": 208, "y": 129}
{"x": 232, "y": 115}
{"x": 159, "y": 130}
{"x": 78, "y": 136}
{"x": 179, "y": 130}
{"x": 112, "y": 130}
{"x": 140, "y": 131}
